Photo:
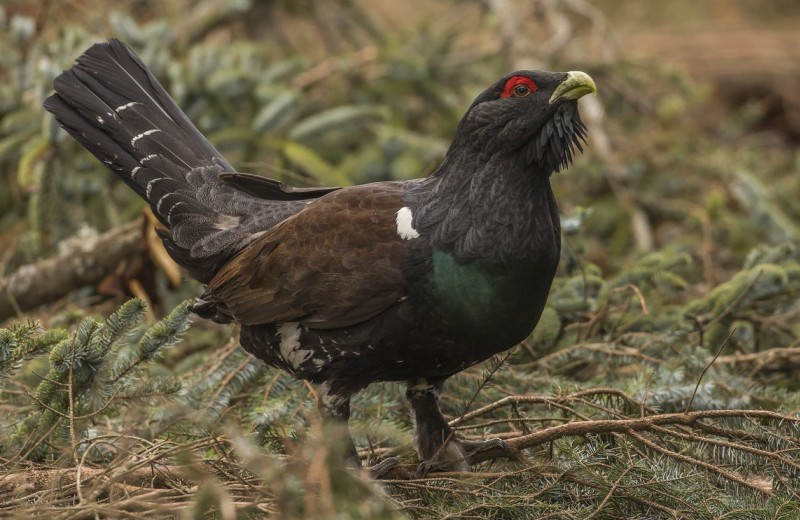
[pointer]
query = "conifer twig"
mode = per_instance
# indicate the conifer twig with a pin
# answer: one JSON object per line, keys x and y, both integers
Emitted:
{"x": 610, "y": 493}
{"x": 696, "y": 462}
{"x": 699, "y": 379}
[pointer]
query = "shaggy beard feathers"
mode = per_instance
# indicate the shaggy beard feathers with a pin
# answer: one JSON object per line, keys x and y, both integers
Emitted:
{"x": 553, "y": 148}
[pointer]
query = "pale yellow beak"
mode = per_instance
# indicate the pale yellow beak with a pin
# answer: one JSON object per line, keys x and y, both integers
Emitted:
{"x": 577, "y": 85}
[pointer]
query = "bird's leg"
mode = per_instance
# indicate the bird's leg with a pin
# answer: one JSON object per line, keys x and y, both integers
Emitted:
{"x": 437, "y": 445}
{"x": 334, "y": 406}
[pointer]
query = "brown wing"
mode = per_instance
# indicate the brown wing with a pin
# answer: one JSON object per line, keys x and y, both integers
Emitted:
{"x": 334, "y": 264}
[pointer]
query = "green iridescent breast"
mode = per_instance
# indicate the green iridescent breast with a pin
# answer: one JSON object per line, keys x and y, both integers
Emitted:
{"x": 493, "y": 304}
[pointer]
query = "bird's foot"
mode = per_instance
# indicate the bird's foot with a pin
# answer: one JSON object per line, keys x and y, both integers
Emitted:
{"x": 423, "y": 469}
{"x": 379, "y": 470}
{"x": 472, "y": 448}
{"x": 459, "y": 454}
{"x": 449, "y": 457}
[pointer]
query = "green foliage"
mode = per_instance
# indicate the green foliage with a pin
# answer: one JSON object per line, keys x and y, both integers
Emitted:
{"x": 91, "y": 372}
{"x": 107, "y": 397}
{"x": 767, "y": 286}
{"x": 22, "y": 342}
{"x": 630, "y": 330}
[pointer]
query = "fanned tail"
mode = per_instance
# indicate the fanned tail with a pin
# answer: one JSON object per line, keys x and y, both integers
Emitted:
{"x": 113, "y": 105}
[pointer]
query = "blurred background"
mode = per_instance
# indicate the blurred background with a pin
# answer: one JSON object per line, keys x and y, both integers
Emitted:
{"x": 680, "y": 220}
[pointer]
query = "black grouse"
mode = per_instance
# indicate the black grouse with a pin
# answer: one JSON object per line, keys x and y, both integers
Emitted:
{"x": 408, "y": 281}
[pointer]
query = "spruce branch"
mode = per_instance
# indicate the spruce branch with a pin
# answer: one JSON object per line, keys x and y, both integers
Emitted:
{"x": 162, "y": 335}
{"x": 121, "y": 322}
{"x": 23, "y": 342}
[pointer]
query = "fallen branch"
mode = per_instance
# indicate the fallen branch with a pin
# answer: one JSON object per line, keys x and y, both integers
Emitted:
{"x": 20, "y": 484}
{"x": 83, "y": 262}
{"x": 652, "y": 423}
{"x": 770, "y": 360}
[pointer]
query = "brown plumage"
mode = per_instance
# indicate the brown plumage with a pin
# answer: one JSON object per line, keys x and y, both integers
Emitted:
{"x": 289, "y": 273}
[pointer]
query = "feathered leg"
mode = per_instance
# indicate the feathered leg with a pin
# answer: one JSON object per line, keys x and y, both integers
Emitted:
{"x": 437, "y": 445}
{"x": 334, "y": 406}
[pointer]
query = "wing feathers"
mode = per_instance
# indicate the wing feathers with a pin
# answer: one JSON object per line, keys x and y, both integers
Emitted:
{"x": 336, "y": 263}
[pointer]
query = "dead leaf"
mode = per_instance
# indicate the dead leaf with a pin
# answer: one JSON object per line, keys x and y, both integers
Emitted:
{"x": 158, "y": 254}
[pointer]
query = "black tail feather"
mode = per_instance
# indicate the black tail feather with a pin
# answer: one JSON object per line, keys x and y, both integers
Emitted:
{"x": 120, "y": 79}
{"x": 114, "y": 106}
{"x": 111, "y": 103}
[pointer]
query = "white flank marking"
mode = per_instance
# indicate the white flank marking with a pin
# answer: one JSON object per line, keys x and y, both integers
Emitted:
{"x": 404, "y": 228}
{"x": 290, "y": 344}
{"x": 143, "y": 134}
{"x": 126, "y": 105}
{"x": 100, "y": 120}
{"x": 151, "y": 156}
{"x": 133, "y": 172}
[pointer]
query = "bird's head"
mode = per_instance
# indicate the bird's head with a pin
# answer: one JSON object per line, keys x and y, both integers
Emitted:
{"x": 528, "y": 115}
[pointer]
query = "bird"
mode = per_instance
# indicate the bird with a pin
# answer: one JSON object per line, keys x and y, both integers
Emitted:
{"x": 410, "y": 281}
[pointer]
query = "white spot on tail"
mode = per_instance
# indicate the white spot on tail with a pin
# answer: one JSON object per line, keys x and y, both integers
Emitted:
{"x": 125, "y": 106}
{"x": 143, "y": 134}
{"x": 100, "y": 120}
{"x": 404, "y": 228}
{"x": 290, "y": 344}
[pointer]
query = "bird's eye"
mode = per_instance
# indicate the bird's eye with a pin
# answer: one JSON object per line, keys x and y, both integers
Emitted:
{"x": 521, "y": 90}
{"x": 518, "y": 86}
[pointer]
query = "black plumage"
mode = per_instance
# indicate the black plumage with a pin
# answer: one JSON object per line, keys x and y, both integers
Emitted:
{"x": 392, "y": 281}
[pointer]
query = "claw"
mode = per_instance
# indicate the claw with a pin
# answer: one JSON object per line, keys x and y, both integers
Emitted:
{"x": 422, "y": 469}
{"x": 467, "y": 449}
{"x": 473, "y": 447}
{"x": 383, "y": 467}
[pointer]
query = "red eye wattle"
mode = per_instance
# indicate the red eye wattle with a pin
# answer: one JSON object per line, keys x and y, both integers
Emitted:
{"x": 518, "y": 86}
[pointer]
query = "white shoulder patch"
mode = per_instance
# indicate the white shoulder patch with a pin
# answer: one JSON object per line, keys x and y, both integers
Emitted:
{"x": 404, "y": 228}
